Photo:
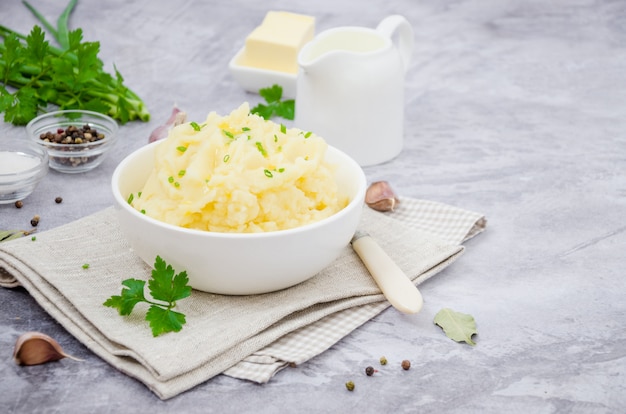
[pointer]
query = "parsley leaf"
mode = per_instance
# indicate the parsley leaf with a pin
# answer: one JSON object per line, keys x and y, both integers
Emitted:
{"x": 70, "y": 76}
{"x": 272, "y": 96}
{"x": 164, "y": 320}
{"x": 131, "y": 295}
{"x": 165, "y": 286}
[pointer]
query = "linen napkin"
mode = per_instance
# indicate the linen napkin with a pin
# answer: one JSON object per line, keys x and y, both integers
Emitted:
{"x": 249, "y": 337}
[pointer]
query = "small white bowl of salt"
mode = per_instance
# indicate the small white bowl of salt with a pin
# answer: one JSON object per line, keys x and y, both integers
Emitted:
{"x": 22, "y": 166}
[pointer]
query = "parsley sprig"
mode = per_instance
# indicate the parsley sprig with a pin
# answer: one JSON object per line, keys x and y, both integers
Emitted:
{"x": 165, "y": 287}
{"x": 272, "y": 96}
{"x": 70, "y": 76}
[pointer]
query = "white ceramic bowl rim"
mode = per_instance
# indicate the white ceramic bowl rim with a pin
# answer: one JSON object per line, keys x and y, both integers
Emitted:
{"x": 357, "y": 198}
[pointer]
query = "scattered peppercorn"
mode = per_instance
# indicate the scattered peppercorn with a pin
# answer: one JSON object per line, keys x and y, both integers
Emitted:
{"x": 369, "y": 371}
{"x": 35, "y": 220}
{"x": 350, "y": 385}
{"x": 383, "y": 360}
{"x": 19, "y": 204}
{"x": 58, "y": 200}
{"x": 406, "y": 364}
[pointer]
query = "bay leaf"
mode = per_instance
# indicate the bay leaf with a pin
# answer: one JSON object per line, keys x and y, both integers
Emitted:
{"x": 457, "y": 326}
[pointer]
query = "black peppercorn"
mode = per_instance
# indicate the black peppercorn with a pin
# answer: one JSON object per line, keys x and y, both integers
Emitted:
{"x": 34, "y": 221}
{"x": 58, "y": 200}
{"x": 79, "y": 136}
{"x": 406, "y": 364}
{"x": 19, "y": 204}
{"x": 369, "y": 371}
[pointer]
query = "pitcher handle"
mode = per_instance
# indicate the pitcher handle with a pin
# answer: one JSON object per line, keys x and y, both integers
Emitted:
{"x": 393, "y": 24}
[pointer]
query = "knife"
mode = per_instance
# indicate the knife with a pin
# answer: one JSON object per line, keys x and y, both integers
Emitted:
{"x": 395, "y": 285}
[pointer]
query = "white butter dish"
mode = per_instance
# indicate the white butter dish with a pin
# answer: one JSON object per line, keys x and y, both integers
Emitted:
{"x": 253, "y": 79}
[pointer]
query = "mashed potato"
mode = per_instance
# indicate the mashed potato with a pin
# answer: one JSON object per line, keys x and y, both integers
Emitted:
{"x": 240, "y": 173}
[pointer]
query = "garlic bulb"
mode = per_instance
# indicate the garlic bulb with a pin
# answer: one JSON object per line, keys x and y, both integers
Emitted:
{"x": 33, "y": 348}
{"x": 381, "y": 197}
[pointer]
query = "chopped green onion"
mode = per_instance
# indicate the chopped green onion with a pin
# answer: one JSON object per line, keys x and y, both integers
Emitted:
{"x": 33, "y": 238}
{"x": 195, "y": 126}
{"x": 181, "y": 173}
{"x": 228, "y": 134}
{"x": 139, "y": 194}
{"x": 245, "y": 129}
{"x": 131, "y": 197}
{"x": 281, "y": 170}
{"x": 143, "y": 211}
{"x": 275, "y": 138}
{"x": 176, "y": 184}
{"x": 261, "y": 149}
{"x": 226, "y": 158}
{"x": 181, "y": 149}
{"x": 283, "y": 129}
{"x": 308, "y": 134}
{"x": 86, "y": 266}
{"x": 170, "y": 179}
{"x": 268, "y": 173}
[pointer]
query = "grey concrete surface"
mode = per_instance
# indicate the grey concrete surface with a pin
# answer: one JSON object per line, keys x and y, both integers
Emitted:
{"x": 515, "y": 109}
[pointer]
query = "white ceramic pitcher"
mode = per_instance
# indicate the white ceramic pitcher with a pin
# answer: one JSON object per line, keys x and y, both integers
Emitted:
{"x": 350, "y": 88}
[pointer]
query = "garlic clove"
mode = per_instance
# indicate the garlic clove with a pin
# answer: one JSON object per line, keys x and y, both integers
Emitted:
{"x": 381, "y": 197}
{"x": 33, "y": 348}
{"x": 176, "y": 118}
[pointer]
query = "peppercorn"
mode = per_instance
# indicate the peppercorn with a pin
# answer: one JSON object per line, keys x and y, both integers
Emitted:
{"x": 58, "y": 200}
{"x": 350, "y": 385}
{"x": 19, "y": 204}
{"x": 34, "y": 221}
{"x": 383, "y": 360}
{"x": 73, "y": 135}
{"x": 369, "y": 371}
{"x": 406, "y": 364}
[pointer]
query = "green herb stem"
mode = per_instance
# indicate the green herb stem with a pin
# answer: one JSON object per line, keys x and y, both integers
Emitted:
{"x": 70, "y": 77}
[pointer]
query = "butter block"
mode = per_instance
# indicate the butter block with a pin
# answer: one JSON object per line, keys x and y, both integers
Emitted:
{"x": 275, "y": 44}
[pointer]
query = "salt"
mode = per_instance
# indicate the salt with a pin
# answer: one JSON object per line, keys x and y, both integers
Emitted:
{"x": 16, "y": 162}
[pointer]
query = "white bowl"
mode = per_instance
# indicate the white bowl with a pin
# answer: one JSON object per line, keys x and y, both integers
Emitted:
{"x": 253, "y": 79}
{"x": 239, "y": 263}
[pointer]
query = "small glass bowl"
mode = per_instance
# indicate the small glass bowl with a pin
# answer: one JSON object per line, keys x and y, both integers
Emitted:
{"x": 22, "y": 166}
{"x": 71, "y": 157}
